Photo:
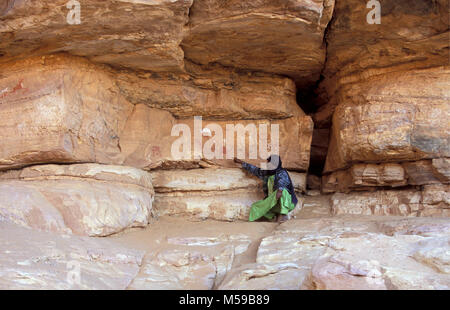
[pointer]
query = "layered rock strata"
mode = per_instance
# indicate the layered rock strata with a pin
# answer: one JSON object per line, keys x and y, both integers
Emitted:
{"x": 221, "y": 194}
{"x": 83, "y": 199}
{"x": 64, "y": 119}
{"x": 431, "y": 200}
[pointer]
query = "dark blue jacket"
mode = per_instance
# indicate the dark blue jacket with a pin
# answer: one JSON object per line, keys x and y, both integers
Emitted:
{"x": 282, "y": 179}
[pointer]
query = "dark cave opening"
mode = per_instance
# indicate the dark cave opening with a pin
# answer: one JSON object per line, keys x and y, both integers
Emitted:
{"x": 307, "y": 100}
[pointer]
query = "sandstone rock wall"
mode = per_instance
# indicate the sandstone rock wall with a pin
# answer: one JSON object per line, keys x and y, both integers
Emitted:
{"x": 84, "y": 199}
{"x": 371, "y": 176}
{"x": 67, "y": 116}
{"x": 261, "y": 36}
{"x": 390, "y": 118}
{"x": 411, "y": 35}
{"x": 432, "y": 200}
{"x": 88, "y": 112}
{"x": 385, "y": 97}
{"x": 73, "y": 111}
{"x": 221, "y": 194}
{"x": 151, "y": 41}
{"x": 163, "y": 33}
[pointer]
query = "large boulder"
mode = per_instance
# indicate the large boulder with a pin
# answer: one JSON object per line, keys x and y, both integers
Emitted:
{"x": 55, "y": 111}
{"x": 261, "y": 36}
{"x": 412, "y": 34}
{"x": 213, "y": 93}
{"x": 84, "y": 199}
{"x": 136, "y": 34}
{"x": 401, "y": 116}
{"x": 172, "y": 143}
{"x": 221, "y": 194}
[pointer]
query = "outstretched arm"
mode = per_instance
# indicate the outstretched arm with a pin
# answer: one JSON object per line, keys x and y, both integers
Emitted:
{"x": 250, "y": 168}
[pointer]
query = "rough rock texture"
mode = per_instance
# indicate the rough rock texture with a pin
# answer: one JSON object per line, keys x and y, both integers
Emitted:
{"x": 165, "y": 181}
{"x": 64, "y": 118}
{"x": 49, "y": 261}
{"x": 214, "y": 93}
{"x": 385, "y": 95}
{"x": 195, "y": 263}
{"x": 136, "y": 34}
{"x": 284, "y": 276}
{"x": 199, "y": 193}
{"x": 84, "y": 199}
{"x": 341, "y": 252}
{"x": 182, "y": 254}
{"x": 349, "y": 253}
{"x": 219, "y": 205}
{"x": 299, "y": 180}
{"x": 441, "y": 169}
{"x": 413, "y": 34}
{"x": 53, "y": 110}
{"x": 151, "y": 35}
{"x": 84, "y": 107}
{"x": 428, "y": 171}
{"x": 294, "y": 136}
{"x": 261, "y": 36}
{"x": 221, "y": 194}
{"x": 389, "y": 118}
{"x": 369, "y": 176}
{"x": 154, "y": 149}
{"x": 432, "y": 200}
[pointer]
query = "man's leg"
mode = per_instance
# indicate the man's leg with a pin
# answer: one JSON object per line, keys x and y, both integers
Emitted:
{"x": 285, "y": 206}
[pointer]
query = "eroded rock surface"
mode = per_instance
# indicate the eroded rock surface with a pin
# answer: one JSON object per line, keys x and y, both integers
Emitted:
{"x": 66, "y": 116}
{"x": 41, "y": 260}
{"x": 85, "y": 106}
{"x": 221, "y": 194}
{"x": 341, "y": 252}
{"x": 195, "y": 263}
{"x": 136, "y": 34}
{"x": 391, "y": 119}
{"x": 432, "y": 200}
{"x": 261, "y": 36}
{"x": 412, "y": 35}
{"x": 350, "y": 253}
{"x": 84, "y": 199}
{"x": 370, "y": 176}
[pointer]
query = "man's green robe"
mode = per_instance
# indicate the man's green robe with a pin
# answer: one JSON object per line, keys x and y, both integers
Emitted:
{"x": 270, "y": 206}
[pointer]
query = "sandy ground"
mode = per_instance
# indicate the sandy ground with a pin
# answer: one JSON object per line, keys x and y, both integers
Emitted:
{"x": 154, "y": 238}
{"x": 163, "y": 235}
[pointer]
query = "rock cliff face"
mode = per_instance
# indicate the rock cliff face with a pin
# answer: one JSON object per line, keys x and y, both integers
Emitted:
{"x": 411, "y": 35}
{"x": 120, "y": 119}
{"x": 386, "y": 94}
{"x": 261, "y": 35}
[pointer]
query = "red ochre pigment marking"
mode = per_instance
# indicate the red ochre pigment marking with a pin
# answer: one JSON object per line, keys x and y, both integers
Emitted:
{"x": 156, "y": 151}
{"x": 19, "y": 86}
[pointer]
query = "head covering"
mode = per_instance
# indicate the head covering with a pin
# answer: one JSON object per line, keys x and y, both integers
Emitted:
{"x": 276, "y": 161}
